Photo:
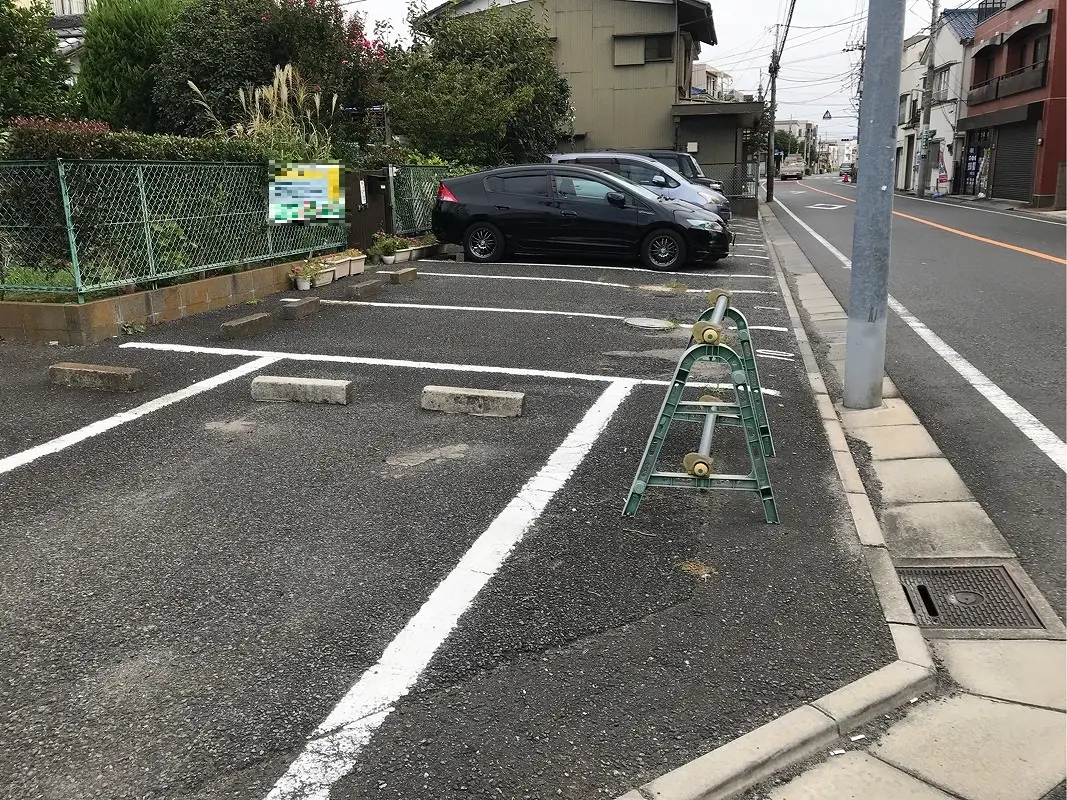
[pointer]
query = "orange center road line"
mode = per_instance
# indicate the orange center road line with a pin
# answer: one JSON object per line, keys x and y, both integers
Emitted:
{"x": 984, "y": 240}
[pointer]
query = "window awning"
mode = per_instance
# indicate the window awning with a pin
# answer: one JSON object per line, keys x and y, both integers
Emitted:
{"x": 694, "y": 17}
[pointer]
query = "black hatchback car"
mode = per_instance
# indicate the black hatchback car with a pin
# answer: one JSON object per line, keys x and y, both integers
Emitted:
{"x": 573, "y": 211}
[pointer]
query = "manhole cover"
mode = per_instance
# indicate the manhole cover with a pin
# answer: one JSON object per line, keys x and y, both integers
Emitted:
{"x": 650, "y": 324}
{"x": 966, "y": 597}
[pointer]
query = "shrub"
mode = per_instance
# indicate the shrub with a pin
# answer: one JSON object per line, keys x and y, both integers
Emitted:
{"x": 124, "y": 40}
{"x": 285, "y": 118}
{"x": 40, "y": 140}
{"x": 34, "y": 74}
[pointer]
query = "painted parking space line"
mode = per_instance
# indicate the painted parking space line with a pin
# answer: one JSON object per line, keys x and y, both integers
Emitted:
{"x": 337, "y": 742}
{"x": 1030, "y": 426}
{"x": 965, "y": 234}
{"x": 102, "y": 426}
{"x": 401, "y": 363}
{"x": 540, "y": 279}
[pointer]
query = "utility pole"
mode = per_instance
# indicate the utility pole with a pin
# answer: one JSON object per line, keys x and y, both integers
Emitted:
{"x": 776, "y": 60}
{"x": 928, "y": 102}
{"x": 773, "y": 72}
{"x": 869, "y": 287}
{"x": 862, "y": 48}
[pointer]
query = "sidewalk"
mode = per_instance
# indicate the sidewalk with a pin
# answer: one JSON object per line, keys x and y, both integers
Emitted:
{"x": 997, "y": 732}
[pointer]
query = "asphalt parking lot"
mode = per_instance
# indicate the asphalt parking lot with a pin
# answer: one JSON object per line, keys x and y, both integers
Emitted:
{"x": 217, "y": 598}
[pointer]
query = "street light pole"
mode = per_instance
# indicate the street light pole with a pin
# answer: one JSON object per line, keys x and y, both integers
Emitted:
{"x": 869, "y": 289}
{"x": 928, "y": 102}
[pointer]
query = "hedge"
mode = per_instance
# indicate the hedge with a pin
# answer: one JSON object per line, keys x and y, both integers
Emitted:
{"x": 42, "y": 140}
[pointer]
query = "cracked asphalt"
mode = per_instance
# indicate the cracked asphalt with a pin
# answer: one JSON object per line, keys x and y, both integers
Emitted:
{"x": 186, "y": 597}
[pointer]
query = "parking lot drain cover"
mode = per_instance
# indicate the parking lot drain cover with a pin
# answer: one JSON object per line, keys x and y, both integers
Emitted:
{"x": 966, "y": 597}
{"x": 649, "y": 324}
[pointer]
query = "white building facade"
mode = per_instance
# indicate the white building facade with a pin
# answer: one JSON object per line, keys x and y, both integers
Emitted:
{"x": 951, "y": 46}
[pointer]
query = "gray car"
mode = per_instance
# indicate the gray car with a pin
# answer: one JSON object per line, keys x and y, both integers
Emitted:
{"x": 654, "y": 176}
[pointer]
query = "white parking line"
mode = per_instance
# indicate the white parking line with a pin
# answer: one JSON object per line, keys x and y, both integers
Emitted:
{"x": 95, "y": 429}
{"x": 470, "y": 308}
{"x": 1030, "y": 426}
{"x": 428, "y": 365}
{"x": 337, "y": 742}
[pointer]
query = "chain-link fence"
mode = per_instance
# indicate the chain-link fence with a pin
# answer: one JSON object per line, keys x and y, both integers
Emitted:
{"x": 738, "y": 179}
{"x": 413, "y": 192}
{"x": 85, "y": 226}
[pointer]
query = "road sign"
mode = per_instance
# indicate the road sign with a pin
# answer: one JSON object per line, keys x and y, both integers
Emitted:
{"x": 826, "y": 115}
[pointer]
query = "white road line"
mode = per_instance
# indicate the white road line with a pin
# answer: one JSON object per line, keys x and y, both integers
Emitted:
{"x": 837, "y": 253}
{"x": 1030, "y": 426}
{"x": 768, "y": 328}
{"x": 389, "y": 362}
{"x": 469, "y": 308}
{"x": 350, "y": 725}
{"x": 539, "y": 279}
{"x": 95, "y": 429}
{"x": 732, "y": 291}
{"x": 717, "y": 273}
{"x": 767, "y": 308}
{"x": 984, "y": 210}
{"x": 750, "y": 245}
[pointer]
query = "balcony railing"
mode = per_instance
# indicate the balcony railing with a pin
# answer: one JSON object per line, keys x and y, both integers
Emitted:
{"x": 988, "y": 8}
{"x": 912, "y": 121}
{"x": 983, "y": 92}
{"x": 1023, "y": 80}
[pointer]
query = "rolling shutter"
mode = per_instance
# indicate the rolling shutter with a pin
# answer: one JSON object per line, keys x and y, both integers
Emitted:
{"x": 1013, "y": 174}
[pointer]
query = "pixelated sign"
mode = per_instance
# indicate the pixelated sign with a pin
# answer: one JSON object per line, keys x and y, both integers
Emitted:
{"x": 306, "y": 193}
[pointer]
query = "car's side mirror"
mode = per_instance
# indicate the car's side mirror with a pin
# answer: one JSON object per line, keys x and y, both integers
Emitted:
{"x": 616, "y": 199}
{"x": 659, "y": 180}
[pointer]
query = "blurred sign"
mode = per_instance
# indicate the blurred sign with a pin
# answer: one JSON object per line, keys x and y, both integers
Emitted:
{"x": 826, "y": 115}
{"x": 306, "y": 193}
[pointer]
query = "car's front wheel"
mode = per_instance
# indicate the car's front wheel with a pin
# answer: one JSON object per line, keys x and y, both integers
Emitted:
{"x": 663, "y": 249}
{"x": 483, "y": 242}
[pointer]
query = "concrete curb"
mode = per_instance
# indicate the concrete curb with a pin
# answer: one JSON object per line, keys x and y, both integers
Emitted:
{"x": 96, "y": 376}
{"x": 281, "y": 389}
{"x": 745, "y": 762}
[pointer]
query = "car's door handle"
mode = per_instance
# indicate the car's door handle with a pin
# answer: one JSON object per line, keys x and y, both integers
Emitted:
{"x": 569, "y": 213}
{"x": 503, "y": 208}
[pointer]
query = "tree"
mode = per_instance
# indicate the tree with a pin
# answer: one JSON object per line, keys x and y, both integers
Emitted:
{"x": 481, "y": 88}
{"x": 220, "y": 45}
{"x": 787, "y": 143}
{"x": 124, "y": 43}
{"x": 33, "y": 74}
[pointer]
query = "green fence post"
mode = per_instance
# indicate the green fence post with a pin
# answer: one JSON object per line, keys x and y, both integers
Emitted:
{"x": 149, "y": 244}
{"x": 74, "y": 266}
{"x": 392, "y": 197}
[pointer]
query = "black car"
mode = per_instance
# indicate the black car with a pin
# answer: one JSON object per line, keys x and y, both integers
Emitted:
{"x": 552, "y": 208}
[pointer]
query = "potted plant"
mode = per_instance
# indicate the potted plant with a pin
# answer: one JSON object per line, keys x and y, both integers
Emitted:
{"x": 403, "y": 249}
{"x": 324, "y": 276}
{"x": 341, "y": 263}
{"x": 387, "y": 249}
{"x": 303, "y": 273}
{"x": 357, "y": 261}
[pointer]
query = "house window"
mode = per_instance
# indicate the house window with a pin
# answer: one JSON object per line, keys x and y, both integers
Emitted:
{"x": 941, "y": 85}
{"x": 659, "y": 48}
{"x": 902, "y": 110}
{"x": 1040, "y": 51}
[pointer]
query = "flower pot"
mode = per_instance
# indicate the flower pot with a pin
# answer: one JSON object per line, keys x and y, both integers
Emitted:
{"x": 388, "y": 259}
{"x": 358, "y": 264}
{"x": 323, "y": 278}
{"x": 403, "y": 255}
{"x": 342, "y": 267}
{"x": 303, "y": 284}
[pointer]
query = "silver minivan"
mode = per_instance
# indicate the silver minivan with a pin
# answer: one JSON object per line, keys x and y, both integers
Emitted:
{"x": 653, "y": 175}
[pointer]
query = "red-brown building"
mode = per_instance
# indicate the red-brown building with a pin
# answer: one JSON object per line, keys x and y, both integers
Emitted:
{"x": 1016, "y": 121}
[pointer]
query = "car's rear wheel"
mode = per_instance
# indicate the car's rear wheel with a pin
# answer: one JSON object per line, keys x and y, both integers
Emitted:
{"x": 483, "y": 242}
{"x": 663, "y": 249}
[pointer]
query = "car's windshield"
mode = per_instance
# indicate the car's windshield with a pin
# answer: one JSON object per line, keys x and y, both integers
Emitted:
{"x": 684, "y": 165}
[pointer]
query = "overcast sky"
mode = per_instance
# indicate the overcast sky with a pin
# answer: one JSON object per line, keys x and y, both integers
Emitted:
{"x": 816, "y": 76}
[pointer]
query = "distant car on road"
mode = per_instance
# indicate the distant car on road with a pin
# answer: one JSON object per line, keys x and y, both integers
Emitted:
{"x": 846, "y": 169}
{"x": 654, "y": 176}
{"x": 573, "y": 211}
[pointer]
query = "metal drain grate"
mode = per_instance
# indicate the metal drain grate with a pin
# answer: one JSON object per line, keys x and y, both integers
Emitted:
{"x": 966, "y": 597}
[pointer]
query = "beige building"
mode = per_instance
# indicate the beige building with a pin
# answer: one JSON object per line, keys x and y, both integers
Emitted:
{"x": 630, "y": 65}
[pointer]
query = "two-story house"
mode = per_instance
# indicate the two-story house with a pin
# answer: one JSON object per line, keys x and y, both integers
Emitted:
{"x": 68, "y": 22}
{"x": 1015, "y": 125}
{"x": 951, "y": 45}
{"x": 629, "y": 64}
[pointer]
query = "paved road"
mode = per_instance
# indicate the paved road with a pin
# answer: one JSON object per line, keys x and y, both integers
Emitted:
{"x": 997, "y": 296}
{"x": 184, "y": 598}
